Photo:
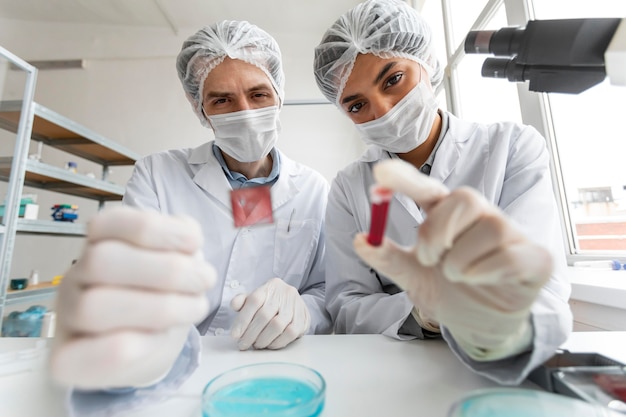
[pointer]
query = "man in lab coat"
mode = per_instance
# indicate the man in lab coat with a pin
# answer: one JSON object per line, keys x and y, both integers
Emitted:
{"x": 126, "y": 309}
{"x": 474, "y": 250}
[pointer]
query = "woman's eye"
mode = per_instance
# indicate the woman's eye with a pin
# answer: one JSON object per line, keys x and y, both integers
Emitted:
{"x": 394, "y": 79}
{"x": 355, "y": 108}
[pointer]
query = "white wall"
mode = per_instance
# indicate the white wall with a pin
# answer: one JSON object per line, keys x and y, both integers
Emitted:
{"x": 129, "y": 92}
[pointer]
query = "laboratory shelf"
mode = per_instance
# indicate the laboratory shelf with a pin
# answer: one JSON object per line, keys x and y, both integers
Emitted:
{"x": 50, "y": 227}
{"x": 48, "y": 177}
{"x": 30, "y": 122}
{"x": 39, "y": 292}
{"x": 62, "y": 133}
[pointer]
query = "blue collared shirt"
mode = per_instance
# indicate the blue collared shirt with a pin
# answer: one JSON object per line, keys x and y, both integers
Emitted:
{"x": 238, "y": 180}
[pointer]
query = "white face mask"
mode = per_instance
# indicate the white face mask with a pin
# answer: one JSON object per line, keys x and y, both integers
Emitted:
{"x": 247, "y": 135}
{"x": 407, "y": 125}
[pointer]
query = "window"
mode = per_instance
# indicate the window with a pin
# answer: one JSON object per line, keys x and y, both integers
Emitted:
{"x": 432, "y": 13}
{"x": 463, "y": 13}
{"x": 589, "y": 128}
{"x": 590, "y": 136}
{"x": 471, "y": 96}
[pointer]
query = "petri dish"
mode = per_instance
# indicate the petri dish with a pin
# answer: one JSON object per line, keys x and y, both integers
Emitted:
{"x": 270, "y": 389}
{"x": 517, "y": 402}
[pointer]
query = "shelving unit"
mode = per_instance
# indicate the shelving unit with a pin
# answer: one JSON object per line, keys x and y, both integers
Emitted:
{"x": 51, "y": 178}
{"x": 32, "y": 121}
{"x": 62, "y": 133}
{"x": 34, "y": 293}
{"x": 47, "y": 227}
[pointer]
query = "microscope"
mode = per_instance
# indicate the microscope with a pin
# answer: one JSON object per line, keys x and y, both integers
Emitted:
{"x": 555, "y": 56}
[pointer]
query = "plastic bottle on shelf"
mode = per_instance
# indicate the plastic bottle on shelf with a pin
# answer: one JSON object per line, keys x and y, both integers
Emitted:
{"x": 72, "y": 167}
{"x": 34, "y": 277}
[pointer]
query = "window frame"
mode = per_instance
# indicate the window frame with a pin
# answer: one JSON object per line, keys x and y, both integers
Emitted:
{"x": 535, "y": 109}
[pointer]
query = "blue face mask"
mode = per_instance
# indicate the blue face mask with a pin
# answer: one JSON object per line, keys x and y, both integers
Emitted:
{"x": 247, "y": 135}
{"x": 407, "y": 125}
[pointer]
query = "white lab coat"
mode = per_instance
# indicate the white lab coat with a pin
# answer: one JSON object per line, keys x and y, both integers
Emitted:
{"x": 192, "y": 182}
{"x": 508, "y": 164}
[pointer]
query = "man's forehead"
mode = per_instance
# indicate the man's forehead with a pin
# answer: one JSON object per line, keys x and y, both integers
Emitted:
{"x": 235, "y": 72}
{"x": 229, "y": 64}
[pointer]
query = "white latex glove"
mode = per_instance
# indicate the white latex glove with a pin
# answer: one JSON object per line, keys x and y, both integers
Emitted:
{"x": 270, "y": 317}
{"x": 471, "y": 271}
{"x": 126, "y": 307}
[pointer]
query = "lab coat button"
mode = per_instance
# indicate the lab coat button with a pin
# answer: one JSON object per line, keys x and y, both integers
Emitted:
{"x": 219, "y": 331}
{"x": 234, "y": 284}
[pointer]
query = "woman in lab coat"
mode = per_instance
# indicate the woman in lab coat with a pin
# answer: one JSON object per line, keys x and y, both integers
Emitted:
{"x": 376, "y": 64}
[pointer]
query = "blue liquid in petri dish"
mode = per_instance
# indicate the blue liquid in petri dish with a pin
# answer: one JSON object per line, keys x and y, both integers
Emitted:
{"x": 522, "y": 403}
{"x": 271, "y": 397}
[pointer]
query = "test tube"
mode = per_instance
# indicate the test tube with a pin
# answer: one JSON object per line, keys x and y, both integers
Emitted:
{"x": 380, "y": 198}
{"x": 604, "y": 264}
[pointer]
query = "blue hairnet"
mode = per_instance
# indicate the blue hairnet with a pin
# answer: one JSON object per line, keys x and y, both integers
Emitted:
{"x": 385, "y": 28}
{"x": 209, "y": 46}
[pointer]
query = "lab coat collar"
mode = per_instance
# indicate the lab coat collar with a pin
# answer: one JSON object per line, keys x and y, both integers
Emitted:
{"x": 202, "y": 154}
{"x": 285, "y": 188}
{"x": 208, "y": 173}
{"x": 449, "y": 149}
{"x": 375, "y": 154}
{"x": 209, "y": 176}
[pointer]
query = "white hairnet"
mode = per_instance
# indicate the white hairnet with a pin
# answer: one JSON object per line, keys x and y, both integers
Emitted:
{"x": 385, "y": 28}
{"x": 208, "y": 47}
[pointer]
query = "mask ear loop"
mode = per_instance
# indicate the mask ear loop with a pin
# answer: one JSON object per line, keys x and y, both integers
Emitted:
{"x": 206, "y": 116}
{"x": 429, "y": 84}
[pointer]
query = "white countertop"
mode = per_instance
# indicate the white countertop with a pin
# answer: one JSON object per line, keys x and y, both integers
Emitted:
{"x": 366, "y": 375}
{"x": 607, "y": 288}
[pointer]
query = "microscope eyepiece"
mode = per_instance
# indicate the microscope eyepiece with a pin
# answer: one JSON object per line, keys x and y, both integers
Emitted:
{"x": 503, "y": 42}
{"x": 503, "y": 68}
{"x": 477, "y": 41}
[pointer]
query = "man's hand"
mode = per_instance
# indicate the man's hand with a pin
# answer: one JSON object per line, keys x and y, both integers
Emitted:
{"x": 270, "y": 317}
{"x": 126, "y": 307}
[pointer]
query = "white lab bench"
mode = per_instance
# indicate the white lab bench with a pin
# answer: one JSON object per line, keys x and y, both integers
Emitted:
{"x": 366, "y": 375}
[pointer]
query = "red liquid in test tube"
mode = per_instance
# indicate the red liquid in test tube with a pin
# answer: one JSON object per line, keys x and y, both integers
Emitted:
{"x": 380, "y": 198}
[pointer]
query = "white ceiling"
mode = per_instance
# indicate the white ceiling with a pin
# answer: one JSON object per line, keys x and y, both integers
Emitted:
{"x": 272, "y": 15}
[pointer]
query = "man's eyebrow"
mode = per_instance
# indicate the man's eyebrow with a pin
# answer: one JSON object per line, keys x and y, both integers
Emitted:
{"x": 218, "y": 94}
{"x": 379, "y": 77}
{"x": 261, "y": 86}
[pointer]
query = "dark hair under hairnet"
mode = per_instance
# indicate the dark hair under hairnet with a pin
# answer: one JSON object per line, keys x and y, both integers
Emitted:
{"x": 386, "y": 28}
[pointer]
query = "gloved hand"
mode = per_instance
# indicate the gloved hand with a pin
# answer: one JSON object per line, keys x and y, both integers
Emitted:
{"x": 125, "y": 308}
{"x": 471, "y": 271}
{"x": 270, "y": 317}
